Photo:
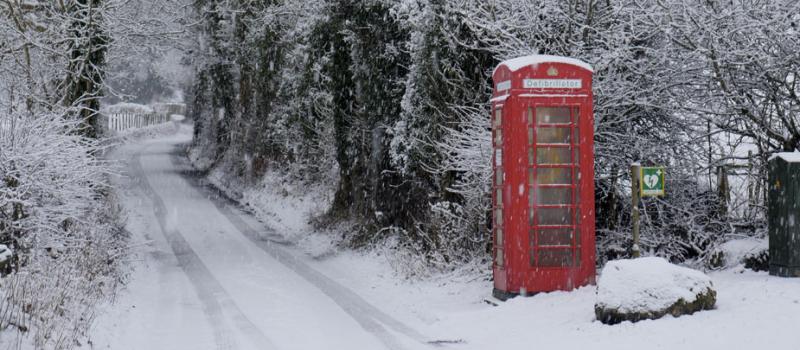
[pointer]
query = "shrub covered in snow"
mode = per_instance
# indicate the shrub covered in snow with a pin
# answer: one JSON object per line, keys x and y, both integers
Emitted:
{"x": 58, "y": 218}
{"x": 752, "y": 252}
{"x": 649, "y": 288}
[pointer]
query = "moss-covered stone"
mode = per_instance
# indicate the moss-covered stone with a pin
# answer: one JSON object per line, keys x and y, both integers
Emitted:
{"x": 704, "y": 301}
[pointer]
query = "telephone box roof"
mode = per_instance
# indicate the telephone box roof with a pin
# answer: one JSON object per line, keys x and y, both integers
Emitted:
{"x": 518, "y": 63}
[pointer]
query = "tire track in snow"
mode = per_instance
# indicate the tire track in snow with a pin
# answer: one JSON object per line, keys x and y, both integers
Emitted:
{"x": 369, "y": 317}
{"x": 208, "y": 288}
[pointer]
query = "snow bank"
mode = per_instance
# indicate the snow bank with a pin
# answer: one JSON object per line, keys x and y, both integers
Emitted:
{"x": 649, "y": 288}
{"x": 124, "y": 107}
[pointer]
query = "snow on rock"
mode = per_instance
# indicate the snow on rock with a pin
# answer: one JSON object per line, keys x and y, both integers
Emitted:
{"x": 518, "y": 63}
{"x": 649, "y": 288}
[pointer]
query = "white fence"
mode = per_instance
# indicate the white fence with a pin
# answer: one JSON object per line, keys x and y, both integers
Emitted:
{"x": 125, "y": 121}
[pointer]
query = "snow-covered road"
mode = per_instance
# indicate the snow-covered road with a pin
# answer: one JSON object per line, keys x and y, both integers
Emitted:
{"x": 215, "y": 278}
{"x": 209, "y": 276}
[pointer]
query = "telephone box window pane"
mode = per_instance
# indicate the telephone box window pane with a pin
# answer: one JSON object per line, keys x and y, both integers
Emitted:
{"x": 498, "y": 118}
{"x": 498, "y": 157}
{"x": 576, "y": 138}
{"x": 553, "y": 135}
{"x": 553, "y": 155}
{"x": 553, "y": 115}
{"x": 553, "y": 176}
{"x": 498, "y": 137}
{"x": 532, "y": 196}
{"x": 530, "y": 136}
{"x": 499, "y": 258}
{"x": 498, "y": 217}
{"x": 577, "y": 155}
{"x": 500, "y": 238}
{"x": 499, "y": 196}
{"x": 549, "y": 196}
{"x": 554, "y": 216}
{"x": 555, "y": 257}
{"x": 530, "y": 156}
{"x": 555, "y": 237}
{"x": 499, "y": 176}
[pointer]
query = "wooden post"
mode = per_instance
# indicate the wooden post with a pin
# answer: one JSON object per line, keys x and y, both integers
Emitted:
{"x": 722, "y": 189}
{"x": 635, "y": 173}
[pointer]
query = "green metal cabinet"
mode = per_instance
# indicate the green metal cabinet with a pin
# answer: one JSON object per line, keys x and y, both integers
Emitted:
{"x": 784, "y": 215}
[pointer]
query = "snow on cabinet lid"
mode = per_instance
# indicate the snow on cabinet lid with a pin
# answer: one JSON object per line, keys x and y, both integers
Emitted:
{"x": 789, "y": 157}
{"x": 516, "y": 64}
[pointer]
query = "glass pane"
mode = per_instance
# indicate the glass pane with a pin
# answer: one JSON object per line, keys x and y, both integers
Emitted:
{"x": 577, "y": 159}
{"x": 498, "y": 157}
{"x": 546, "y": 196}
{"x": 498, "y": 137}
{"x": 499, "y": 257}
{"x": 552, "y": 135}
{"x": 553, "y": 155}
{"x": 555, "y": 237}
{"x": 553, "y": 176}
{"x": 531, "y": 178}
{"x": 530, "y": 156}
{"x": 530, "y": 136}
{"x": 498, "y": 174}
{"x": 553, "y": 115}
{"x": 499, "y": 238}
{"x": 576, "y": 138}
{"x": 499, "y": 196}
{"x": 531, "y": 196}
{"x": 555, "y": 257}
{"x": 498, "y": 118}
{"x": 554, "y": 216}
{"x": 498, "y": 217}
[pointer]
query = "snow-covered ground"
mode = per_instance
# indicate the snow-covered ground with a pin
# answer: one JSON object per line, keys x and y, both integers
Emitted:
{"x": 210, "y": 276}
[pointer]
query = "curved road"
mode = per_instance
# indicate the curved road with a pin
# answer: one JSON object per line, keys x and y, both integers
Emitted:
{"x": 214, "y": 278}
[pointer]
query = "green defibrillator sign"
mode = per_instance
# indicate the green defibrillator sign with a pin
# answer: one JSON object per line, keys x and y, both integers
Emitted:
{"x": 651, "y": 181}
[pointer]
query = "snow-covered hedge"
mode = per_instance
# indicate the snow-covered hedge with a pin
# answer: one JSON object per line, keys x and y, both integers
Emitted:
{"x": 649, "y": 288}
{"x": 58, "y": 216}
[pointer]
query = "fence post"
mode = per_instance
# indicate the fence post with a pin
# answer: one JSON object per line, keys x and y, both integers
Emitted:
{"x": 723, "y": 189}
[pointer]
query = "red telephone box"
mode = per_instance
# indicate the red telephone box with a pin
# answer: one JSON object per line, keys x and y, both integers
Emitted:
{"x": 543, "y": 182}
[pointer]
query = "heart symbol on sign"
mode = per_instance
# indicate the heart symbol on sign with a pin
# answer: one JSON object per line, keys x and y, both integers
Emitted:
{"x": 651, "y": 181}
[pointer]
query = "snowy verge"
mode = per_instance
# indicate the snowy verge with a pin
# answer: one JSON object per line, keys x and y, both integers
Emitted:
{"x": 280, "y": 200}
{"x": 649, "y": 288}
